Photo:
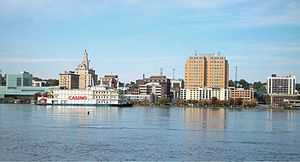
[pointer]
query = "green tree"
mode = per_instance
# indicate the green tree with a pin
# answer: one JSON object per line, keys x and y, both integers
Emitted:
{"x": 298, "y": 87}
{"x": 52, "y": 82}
{"x": 260, "y": 87}
{"x": 163, "y": 101}
{"x": 244, "y": 84}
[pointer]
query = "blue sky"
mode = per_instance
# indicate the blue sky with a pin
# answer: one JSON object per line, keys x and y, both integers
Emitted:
{"x": 132, "y": 37}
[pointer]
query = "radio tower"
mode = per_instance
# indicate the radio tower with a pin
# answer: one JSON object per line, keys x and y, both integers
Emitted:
{"x": 236, "y": 77}
{"x": 173, "y": 70}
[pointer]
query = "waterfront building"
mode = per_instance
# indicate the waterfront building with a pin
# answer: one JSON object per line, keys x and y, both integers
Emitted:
{"x": 241, "y": 93}
{"x": 161, "y": 80}
{"x": 24, "y": 79}
{"x": 221, "y": 94}
{"x": 132, "y": 88}
{"x": 137, "y": 97}
{"x": 281, "y": 85}
{"x": 109, "y": 80}
{"x": 176, "y": 86}
{"x": 281, "y": 88}
{"x": 2, "y": 80}
{"x": 152, "y": 88}
{"x": 39, "y": 83}
{"x": 207, "y": 70}
{"x": 20, "y": 86}
{"x": 69, "y": 80}
{"x": 87, "y": 76}
{"x": 97, "y": 95}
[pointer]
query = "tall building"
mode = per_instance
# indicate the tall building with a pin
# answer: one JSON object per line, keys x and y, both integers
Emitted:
{"x": 176, "y": 86}
{"x": 1, "y": 80}
{"x": 19, "y": 86}
{"x": 69, "y": 80}
{"x": 87, "y": 76}
{"x": 281, "y": 85}
{"x": 109, "y": 80}
{"x": 281, "y": 88}
{"x": 151, "y": 88}
{"x": 24, "y": 79}
{"x": 206, "y": 71}
{"x": 163, "y": 81}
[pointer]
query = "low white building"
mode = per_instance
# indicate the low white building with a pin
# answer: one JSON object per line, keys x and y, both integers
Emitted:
{"x": 204, "y": 94}
{"x": 38, "y": 83}
{"x": 133, "y": 97}
{"x": 98, "y": 95}
{"x": 151, "y": 88}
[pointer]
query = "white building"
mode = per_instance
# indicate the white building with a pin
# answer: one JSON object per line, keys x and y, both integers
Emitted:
{"x": 98, "y": 95}
{"x": 151, "y": 88}
{"x": 38, "y": 83}
{"x": 133, "y": 97}
{"x": 204, "y": 94}
{"x": 281, "y": 85}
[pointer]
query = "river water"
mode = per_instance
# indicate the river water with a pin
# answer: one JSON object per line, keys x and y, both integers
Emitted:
{"x": 37, "y": 133}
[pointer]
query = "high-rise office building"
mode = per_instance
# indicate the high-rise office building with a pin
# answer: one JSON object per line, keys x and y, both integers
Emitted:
{"x": 163, "y": 81}
{"x": 1, "y": 80}
{"x": 87, "y": 76}
{"x": 206, "y": 71}
{"x": 281, "y": 85}
{"x": 24, "y": 79}
{"x": 69, "y": 80}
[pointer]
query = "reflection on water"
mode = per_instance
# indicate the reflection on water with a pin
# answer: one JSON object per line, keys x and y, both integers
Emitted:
{"x": 274, "y": 117}
{"x": 37, "y": 133}
{"x": 195, "y": 118}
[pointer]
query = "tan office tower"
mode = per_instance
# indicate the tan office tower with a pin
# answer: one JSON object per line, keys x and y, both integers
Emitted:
{"x": 195, "y": 72}
{"x": 206, "y": 71}
{"x": 217, "y": 72}
{"x": 87, "y": 76}
{"x": 69, "y": 80}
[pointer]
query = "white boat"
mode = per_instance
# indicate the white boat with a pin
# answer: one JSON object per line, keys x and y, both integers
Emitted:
{"x": 94, "y": 96}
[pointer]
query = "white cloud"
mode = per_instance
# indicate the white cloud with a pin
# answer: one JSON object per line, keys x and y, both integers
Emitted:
{"x": 36, "y": 60}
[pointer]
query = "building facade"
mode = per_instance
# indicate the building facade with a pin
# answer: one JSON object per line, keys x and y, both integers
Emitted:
{"x": 206, "y": 71}
{"x": 98, "y": 95}
{"x": 69, "y": 80}
{"x": 137, "y": 98}
{"x": 24, "y": 79}
{"x": 281, "y": 85}
{"x": 20, "y": 86}
{"x": 2, "y": 80}
{"x": 87, "y": 76}
{"x": 221, "y": 94}
{"x": 109, "y": 80}
{"x": 176, "y": 86}
{"x": 281, "y": 88}
{"x": 163, "y": 81}
{"x": 241, "y": 93}
{"x": 39, "y": 83}
{"x": 151, "y": 88}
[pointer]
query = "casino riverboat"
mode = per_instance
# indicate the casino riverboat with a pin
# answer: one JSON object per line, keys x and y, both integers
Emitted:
{"x": 93, "y": 96}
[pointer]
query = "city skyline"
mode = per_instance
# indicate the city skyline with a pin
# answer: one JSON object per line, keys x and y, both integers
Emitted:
{"x": 132, "y": 37}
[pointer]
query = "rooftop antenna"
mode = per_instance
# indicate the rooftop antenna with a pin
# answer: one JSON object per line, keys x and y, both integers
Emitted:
{"x": 173, "y": 73}
{"x": 161, "y": 71}
{"x": 196, "y": 53}
{"x": 236, "y": 77}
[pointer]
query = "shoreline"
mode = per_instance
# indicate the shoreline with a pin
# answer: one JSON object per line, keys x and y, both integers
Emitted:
{"x": 262, "y": 107}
